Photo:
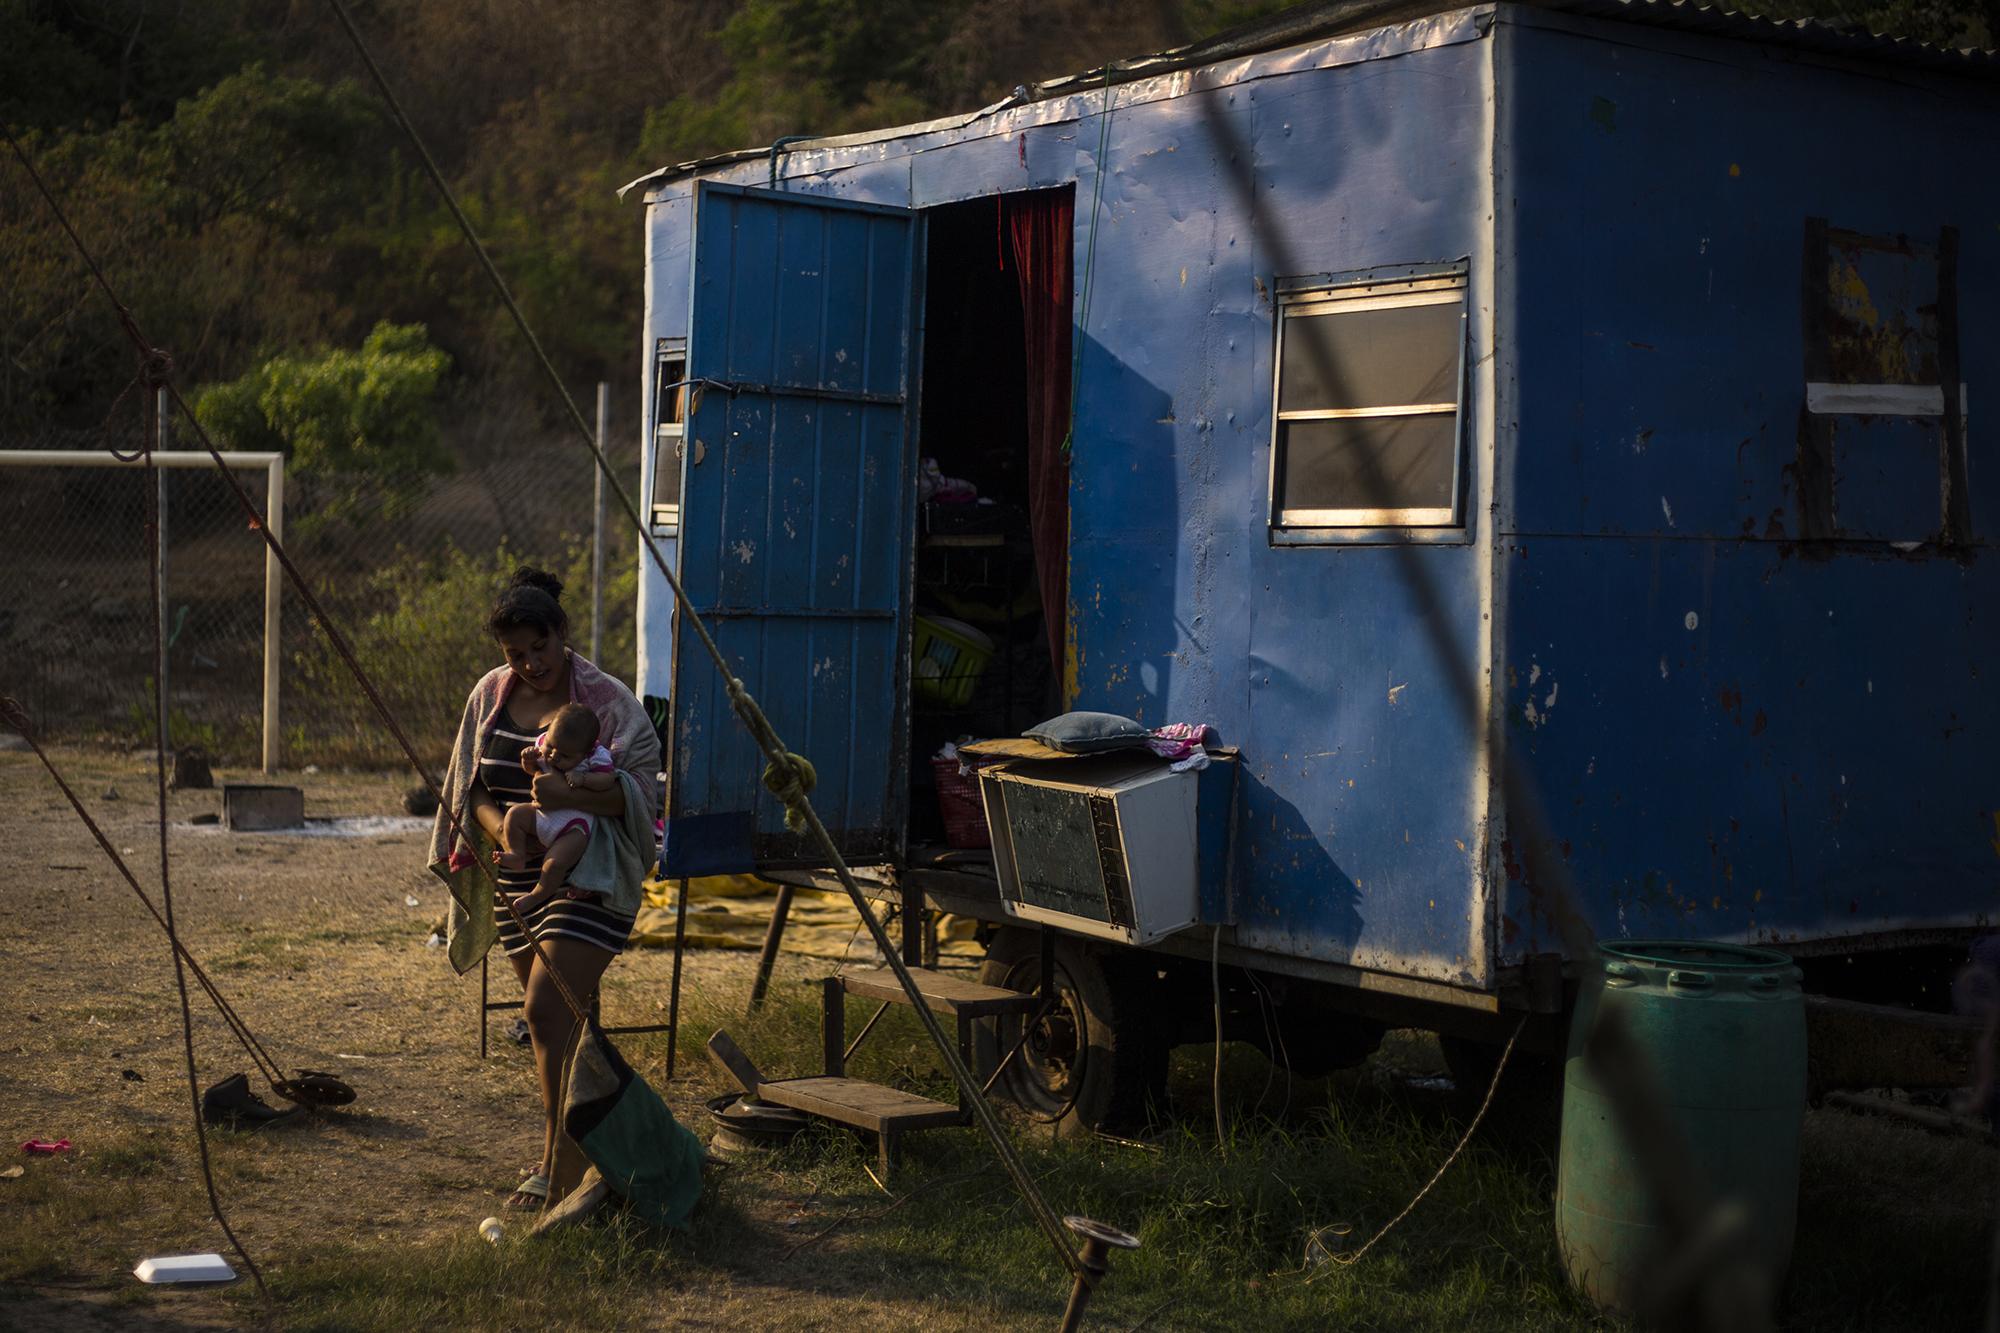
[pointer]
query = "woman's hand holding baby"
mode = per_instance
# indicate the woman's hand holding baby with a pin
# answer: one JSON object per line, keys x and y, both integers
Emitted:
{"x": 552, "y": 791}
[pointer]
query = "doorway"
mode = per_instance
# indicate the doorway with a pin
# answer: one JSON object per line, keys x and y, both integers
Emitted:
{"x": 992, "y": 493}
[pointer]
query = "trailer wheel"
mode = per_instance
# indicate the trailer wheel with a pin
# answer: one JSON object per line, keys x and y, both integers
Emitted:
{"x": 1098, "y": 1059}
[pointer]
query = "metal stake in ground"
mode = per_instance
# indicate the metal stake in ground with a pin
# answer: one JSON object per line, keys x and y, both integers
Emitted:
{"x": 1098, "y": 1242}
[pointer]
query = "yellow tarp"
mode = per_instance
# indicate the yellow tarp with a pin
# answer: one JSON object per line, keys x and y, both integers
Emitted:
{"x": 733, "y": 911}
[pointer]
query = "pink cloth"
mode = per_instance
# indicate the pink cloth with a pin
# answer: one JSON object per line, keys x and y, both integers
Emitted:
{"x": 1184, "y": 744}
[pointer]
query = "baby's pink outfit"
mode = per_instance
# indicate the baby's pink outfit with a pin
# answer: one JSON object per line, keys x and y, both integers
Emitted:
{"x": 552, "y": 824}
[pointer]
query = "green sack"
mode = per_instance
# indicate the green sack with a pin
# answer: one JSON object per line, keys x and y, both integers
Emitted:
{"x": 651, "y": 1160}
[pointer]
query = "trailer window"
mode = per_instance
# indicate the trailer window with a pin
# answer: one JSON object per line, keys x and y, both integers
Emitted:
{"x": 669, "y": 399}
{"x": 1368, "y": 394}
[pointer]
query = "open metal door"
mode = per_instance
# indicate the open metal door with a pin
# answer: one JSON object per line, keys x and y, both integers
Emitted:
{"x": 797, "y": 518}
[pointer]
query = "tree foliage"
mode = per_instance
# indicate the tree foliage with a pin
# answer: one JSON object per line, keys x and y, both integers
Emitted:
{"x": 355, "y": 424}
{"x": 222, "y": 225}
{"x": 248, "y": 195}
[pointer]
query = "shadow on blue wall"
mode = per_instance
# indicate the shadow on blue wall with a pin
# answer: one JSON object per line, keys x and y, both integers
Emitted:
{"x": 1320, "y": 901}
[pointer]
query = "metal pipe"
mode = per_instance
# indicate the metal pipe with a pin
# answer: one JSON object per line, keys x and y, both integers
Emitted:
{"x": 160, "y": 441}
{"x": 779, "y": 145}
{"x": 862, "y": 1035}
{"x": 674, "y": 995}
{"x": 597, "y": 534}
{"x": 274, "y": 586}
{"x": 105, "y": 458}
{"x": 769, "y": 956}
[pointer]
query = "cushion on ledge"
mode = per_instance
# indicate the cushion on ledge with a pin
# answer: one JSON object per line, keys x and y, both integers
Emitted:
{"x": 1089, "y": 733}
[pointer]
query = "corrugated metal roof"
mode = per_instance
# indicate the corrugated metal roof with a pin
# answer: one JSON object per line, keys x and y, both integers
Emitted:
{"x": 1308, "y": 23}
{"x": 1311, "y": 22}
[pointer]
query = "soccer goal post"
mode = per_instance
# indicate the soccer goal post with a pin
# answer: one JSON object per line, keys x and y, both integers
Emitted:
{"x": 273, "y": 467}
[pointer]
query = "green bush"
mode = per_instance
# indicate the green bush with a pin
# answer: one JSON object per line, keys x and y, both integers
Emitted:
{"x": 354, "y": 424}
{"x": 418, "y": 627}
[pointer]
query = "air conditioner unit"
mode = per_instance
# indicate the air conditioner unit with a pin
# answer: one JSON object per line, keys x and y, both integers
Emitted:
{"x": 1103, "y": 845}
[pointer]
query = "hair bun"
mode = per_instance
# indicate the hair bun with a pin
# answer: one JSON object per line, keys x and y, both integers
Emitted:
{"x": 527, "y": 576}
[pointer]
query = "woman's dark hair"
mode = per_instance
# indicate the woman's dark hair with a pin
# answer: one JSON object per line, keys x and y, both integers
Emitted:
{"x": 531, "y": 600}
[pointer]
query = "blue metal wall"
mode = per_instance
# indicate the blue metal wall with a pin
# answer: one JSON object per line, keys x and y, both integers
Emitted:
{"x": 1736, "y": 734}
{"x": 1361, "y": 801}
{"x": 1360, "y": 809}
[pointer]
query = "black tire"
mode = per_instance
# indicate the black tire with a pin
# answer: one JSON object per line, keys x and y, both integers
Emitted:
{"x": 1098, "y": 1061}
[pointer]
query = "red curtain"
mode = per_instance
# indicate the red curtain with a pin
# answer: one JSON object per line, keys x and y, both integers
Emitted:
{"x": 1039, "y": 227}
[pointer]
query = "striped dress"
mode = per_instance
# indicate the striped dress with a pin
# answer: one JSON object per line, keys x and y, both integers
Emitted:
{"x": 568, "y": 918}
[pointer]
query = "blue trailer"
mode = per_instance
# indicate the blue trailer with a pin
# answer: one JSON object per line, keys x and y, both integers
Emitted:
{"x": 1567, "y": 402}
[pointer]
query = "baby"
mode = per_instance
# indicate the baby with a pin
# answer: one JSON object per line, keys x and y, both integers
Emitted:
{"x": 568, "y": 747}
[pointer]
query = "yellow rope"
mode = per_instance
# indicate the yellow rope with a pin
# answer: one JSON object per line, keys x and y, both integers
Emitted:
{"x": 791, "y": 783}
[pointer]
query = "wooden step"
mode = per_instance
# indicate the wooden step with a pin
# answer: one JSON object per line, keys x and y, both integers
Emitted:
{"x": 958, "y": 995}
{"x": 864, "y": 1105}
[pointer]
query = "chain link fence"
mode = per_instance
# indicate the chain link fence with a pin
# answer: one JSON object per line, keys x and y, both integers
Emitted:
{"x": 411, "y": 590}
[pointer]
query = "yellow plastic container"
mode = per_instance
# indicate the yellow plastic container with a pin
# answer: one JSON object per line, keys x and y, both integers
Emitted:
{"x": 947, "y": 657}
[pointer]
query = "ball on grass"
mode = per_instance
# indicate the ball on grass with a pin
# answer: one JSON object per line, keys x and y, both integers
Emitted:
{"x": 491, "y": 1229}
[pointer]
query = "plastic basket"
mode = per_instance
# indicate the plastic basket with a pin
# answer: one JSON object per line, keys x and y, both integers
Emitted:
{"x": 963, "y": 812}
{"x": 947, "y": 657}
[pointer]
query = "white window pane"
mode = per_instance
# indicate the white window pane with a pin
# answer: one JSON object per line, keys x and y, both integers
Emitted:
{"x": 1370, "y": 358}
{"x": 1372, "y": 463}
{"x": 667, "y": 466}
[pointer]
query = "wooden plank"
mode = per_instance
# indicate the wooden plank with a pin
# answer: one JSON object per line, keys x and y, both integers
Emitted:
{"x": 731, "y": 1060}
{"x": 957, "y": 995}
{"x": 1014, "y": 747}
{"x": 864, "y": 1105}
{"x": 833, "y": 1026}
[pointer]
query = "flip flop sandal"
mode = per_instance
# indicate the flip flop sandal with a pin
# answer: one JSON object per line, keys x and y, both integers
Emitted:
{"x": 530, "y": 1193}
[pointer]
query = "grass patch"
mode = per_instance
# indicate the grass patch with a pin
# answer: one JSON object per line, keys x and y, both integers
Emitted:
{"x": 281, "y": 948}
{"x": 1893, "y": 1224}
{"x": 63, "y": 1218}
{"x": 596, "y": 1278}
{"x": 128, "y": 1159}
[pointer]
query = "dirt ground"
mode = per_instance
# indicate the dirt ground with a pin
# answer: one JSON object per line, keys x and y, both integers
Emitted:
{"x": 320, "y": 944}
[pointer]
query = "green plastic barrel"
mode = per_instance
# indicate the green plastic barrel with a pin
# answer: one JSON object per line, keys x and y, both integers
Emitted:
{"x": 1724, "y": 1027}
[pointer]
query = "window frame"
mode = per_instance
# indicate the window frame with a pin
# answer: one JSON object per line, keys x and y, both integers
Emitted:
{"x": 669, "y": 436}
{"x": 1329, "y": 296}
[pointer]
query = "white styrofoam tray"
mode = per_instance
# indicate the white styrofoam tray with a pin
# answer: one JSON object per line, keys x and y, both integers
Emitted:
{"x": 185, "y": 1268}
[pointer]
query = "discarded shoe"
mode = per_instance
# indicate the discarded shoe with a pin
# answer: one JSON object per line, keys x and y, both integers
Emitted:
{"x": 520, "y": 1032}
{"x": 231, "y": 1104}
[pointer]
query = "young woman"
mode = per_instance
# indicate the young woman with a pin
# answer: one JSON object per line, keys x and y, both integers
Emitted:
{"x": 583, "y": 929}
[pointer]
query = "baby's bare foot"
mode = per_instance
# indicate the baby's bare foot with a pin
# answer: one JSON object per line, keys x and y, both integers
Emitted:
{"x": 512, "y": 860}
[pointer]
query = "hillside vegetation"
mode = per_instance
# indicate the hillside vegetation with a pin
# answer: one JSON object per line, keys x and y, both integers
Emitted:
{"x": 253, "y": 201}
